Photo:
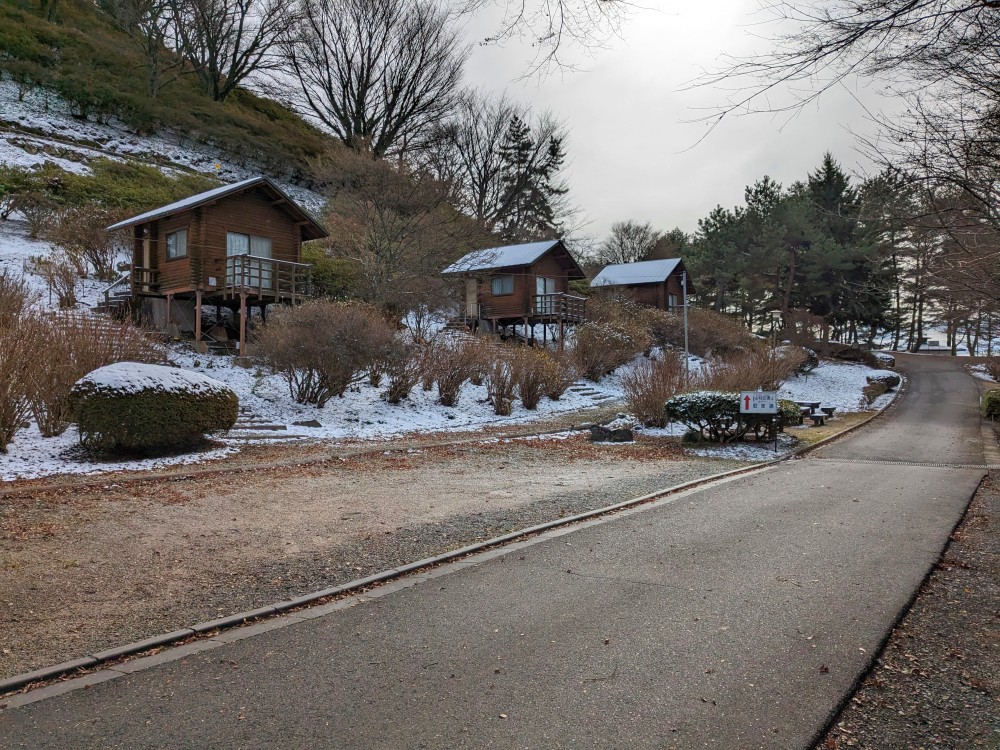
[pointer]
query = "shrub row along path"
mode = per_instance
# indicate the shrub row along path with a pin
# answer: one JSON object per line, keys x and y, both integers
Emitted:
{"x": 735, "y": 615}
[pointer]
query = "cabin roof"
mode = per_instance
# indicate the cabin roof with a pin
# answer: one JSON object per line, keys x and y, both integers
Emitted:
{"x": 643, "y": 272}
{"x": 311, "y": 229}
{"x": 508, "y": 256}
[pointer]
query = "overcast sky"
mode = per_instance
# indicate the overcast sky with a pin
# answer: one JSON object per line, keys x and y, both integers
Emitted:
{"x": 633, "y": 152}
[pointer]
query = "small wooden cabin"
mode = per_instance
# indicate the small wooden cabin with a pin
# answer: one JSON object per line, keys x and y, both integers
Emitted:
{"x": 656, "y": 283}
{"x": 520, "y": 284}
{"x": 236, "y": 246}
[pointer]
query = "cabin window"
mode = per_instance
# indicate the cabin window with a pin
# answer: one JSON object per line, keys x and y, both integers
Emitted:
{"x": 500, "y": 285}
{"x": 672, "y": 301}
{"x": 246, "y": 244}
{"x": 177, "y": 244}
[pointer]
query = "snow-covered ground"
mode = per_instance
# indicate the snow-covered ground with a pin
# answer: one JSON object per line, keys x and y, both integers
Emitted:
{"x": 362, "y": 414}
{"x": 16, "y": 252}
{"x": 40, "y": 129}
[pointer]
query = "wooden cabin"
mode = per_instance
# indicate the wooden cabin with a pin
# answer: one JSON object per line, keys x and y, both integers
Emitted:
{"x": 238, "y": 246}
{"x": 656, "y": 283}
{"x": 520, "y": 284}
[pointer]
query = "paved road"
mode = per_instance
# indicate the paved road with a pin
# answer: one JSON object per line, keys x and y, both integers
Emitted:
{"x": 734, "y": 616}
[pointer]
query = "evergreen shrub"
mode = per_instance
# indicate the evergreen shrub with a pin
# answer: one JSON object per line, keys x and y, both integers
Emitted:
{"x": 133, "y": 409}
{"x": 990, "y": 406}
{"x": 712, "y": 414}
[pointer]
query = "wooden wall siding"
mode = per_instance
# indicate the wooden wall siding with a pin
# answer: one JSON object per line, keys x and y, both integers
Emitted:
{"x": 519, "y": 304}
{"x": 506, "y": 305}
{"x": 250, "y": 213}
{"x": 648, "y": 294}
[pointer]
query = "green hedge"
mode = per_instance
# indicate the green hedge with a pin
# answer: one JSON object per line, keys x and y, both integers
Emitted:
{"x": 149, "y": 420}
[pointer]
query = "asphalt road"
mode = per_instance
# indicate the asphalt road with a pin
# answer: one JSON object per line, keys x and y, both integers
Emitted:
{"x": 734, "y": 616}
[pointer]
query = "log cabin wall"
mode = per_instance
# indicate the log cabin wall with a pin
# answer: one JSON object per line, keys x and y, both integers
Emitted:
{"x": 251, "y": 213}
{"x": 548, "y": 266}
{"x": 175, "y": 273}
{"x": 506, "y": 305}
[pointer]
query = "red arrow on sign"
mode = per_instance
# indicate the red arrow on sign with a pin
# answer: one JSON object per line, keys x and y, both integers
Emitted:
{"x": 747, "y": 400}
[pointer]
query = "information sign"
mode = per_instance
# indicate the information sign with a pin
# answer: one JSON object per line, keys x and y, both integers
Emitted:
{"x": 759, "y": 402}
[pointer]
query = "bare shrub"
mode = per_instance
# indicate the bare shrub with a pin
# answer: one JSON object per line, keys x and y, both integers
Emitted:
{"x": 16, "y": 296}
{"x": 600, "y": 347}
{"x": 19, "y": 356}
{"x": 76, "y": 344}
{"x": 451, "y": 362}
{"x": 650, "y": 385}
{"x": 402, "y": 368}
{"x": 17, "y": 364}
{"x": 382, "y": 350}
{"x": 82, "y": 234}
{"x": 530, "y": 367}
{"x": 38, "y": 210}
{"x": 320, "y": 347}
{"x": 501, "y": 383}
{"x": 60, "y": 274}
{"x": 560, "y": 372}
{"x": 766, "y": 369}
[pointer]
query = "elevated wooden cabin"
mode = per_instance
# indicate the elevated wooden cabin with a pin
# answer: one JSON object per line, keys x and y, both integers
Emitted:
{"x": 656, "y": 283}
{"x": 236, "y": 246}
{"x": 520, "y": 284}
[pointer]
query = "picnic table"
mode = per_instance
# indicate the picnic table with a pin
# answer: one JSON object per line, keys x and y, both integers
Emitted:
{"x": 816, "y": 412}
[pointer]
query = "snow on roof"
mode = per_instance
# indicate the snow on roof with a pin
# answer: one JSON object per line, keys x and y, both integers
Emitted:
{"x": 193, "y": 200}
{"x": 643, "y": 272}
{"x": 134, "y": 377}
{"x": 501, "y": 257}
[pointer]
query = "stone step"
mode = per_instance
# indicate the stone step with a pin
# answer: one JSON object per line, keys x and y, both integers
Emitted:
{"x": 241, "y": 425}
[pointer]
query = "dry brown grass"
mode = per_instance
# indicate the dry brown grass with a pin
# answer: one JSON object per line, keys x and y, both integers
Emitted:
{"x": 764, "y": 368}
{"x": 649, "y": 386}
{"x": 75, "y": 344}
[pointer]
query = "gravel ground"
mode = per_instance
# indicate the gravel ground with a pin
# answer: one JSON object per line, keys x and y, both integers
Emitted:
{"x": 937, "y": 684}
{"x": 83, "y": 569}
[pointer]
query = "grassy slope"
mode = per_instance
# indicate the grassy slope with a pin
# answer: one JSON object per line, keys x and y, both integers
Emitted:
{"x": 90, "y": 63}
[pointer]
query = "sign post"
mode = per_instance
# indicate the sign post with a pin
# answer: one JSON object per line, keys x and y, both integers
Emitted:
{"x": 762, "y": 402}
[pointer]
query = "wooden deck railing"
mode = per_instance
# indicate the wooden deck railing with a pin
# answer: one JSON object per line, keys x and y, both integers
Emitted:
{"x": 145, "y": 280}
{"x": 266, "y": 278}
{"x": 565, "y": 307}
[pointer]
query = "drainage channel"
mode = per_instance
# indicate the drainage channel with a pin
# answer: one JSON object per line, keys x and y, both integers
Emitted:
{"x": 917, "y": 464}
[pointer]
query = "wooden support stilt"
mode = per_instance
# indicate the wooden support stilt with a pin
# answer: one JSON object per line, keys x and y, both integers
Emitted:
{"x": 166, "y": 323}
{"x": 562, "y": 333}
{"x": 197, "y": 315}
{"x": 243, "y": 324}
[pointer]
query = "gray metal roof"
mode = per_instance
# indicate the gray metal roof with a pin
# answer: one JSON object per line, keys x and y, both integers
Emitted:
{"x": 643, "y": 272}
{"x": 501, "y": 257}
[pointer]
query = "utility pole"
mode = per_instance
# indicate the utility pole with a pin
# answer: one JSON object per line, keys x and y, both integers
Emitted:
{"x": 687, "y": 354}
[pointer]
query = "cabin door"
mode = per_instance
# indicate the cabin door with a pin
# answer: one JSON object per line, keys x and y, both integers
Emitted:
{"x": 545, "y": 289}
{"x": 243, "y": 265}
{"x": 471, "y": 298}
{"x": 260, "y": 247}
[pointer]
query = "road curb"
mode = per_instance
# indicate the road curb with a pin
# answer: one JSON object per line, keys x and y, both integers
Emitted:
{"x": 23, "y": 682}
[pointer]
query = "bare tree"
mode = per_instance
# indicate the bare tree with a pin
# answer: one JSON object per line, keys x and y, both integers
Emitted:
{"x": 496, "y": 156}
{"x": 628, "y": 242}
{"x": 553, "y": 25}
{"x": 149, "y": 24}
{"x": 378, "y": 73}
{"x": 226, "y": 41}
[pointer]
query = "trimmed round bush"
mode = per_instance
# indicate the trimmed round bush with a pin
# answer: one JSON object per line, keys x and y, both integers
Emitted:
{"x": 889, "y": 379}
{"x": 134, "y": 408}
{"x": 713, "y": 414}
{"x": 990, "y": 406}
{"x": 789, "y": 412}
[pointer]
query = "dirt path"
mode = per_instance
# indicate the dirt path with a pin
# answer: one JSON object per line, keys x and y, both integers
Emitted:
{"x": 87, "y": 569}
